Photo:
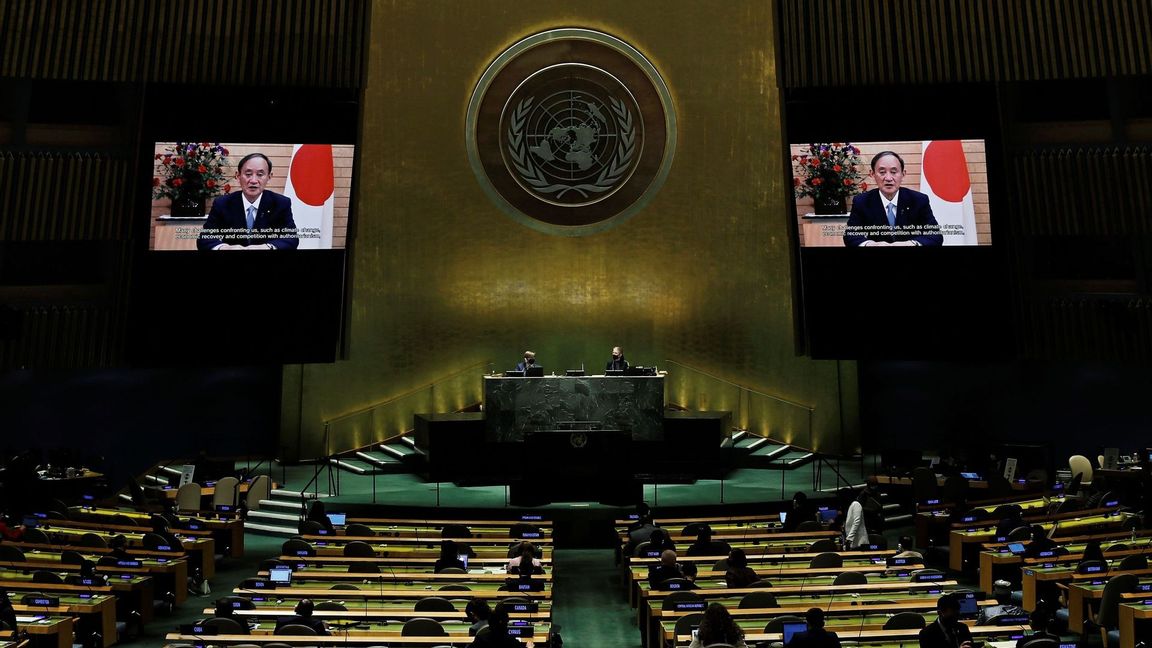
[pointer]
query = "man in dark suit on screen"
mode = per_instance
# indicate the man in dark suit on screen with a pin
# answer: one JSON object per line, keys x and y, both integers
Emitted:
{"x": 891, "y": 215}
{"x": 252, "y": 218}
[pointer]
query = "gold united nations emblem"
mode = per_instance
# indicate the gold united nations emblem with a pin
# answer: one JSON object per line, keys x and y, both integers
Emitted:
{"x": 571, "y": 131}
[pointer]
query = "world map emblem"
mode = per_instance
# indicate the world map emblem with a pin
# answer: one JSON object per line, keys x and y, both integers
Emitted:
{"x": 571, "y": 131}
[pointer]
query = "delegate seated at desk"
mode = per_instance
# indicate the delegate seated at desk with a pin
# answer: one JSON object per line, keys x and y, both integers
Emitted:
{"x": 617, "y": 363}
{"x": 529, "y": 362}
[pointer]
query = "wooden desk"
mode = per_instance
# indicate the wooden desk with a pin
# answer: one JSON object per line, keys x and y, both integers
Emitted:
{"x": 311, "y": 640}
{"x": 1079, "y": 522}
{"x": 99, "y": 611}
{"x": 227, "y": 532}
{"x": 1130, "y": 613}
{"x": 59, "y": 627}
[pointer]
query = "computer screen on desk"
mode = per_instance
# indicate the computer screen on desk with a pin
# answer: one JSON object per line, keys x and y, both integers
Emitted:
{"x": 513, "y": 374}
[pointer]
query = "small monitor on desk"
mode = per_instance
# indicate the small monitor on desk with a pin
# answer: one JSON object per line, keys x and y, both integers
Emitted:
{"x": 534, "y": 372}
{"x": 280, "y": 575}
{"x": 970, "y": 476}
{"x": 827, "y": 515}
{"x": 613, "y": 372}
{"x": 337, "y": 519}
{"x": 790, "y": 630}
{"x": 1016, "y": 548}
{"x": 574, "y": 372}
{"x": 513, "y": 374}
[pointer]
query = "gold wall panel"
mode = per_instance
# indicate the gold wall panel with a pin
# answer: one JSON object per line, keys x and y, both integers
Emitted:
{"x": 443, "y": 279}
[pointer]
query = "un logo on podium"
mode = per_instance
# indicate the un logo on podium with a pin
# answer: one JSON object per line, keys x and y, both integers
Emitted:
{"x": 571, "y": 131}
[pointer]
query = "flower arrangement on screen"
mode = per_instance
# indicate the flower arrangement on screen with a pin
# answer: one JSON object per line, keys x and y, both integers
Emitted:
{"x": 191, "y": 170}
{"x": 829, "y": 173}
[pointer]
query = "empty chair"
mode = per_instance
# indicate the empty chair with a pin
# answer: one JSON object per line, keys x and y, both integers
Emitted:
{"x": 8, "y": 553}
{"x": 421, "y": 627}
{"x": 269, "y": 563}
{"x": 455, "y": 532}
{"x": 760, "y": 583}
{"x": 955, "y": 489}
{"x": 1020, "y": 533}
{"x": 363, "y": 568}
{"x": 92, "y": 540}
{"x": 686, "y": 623}
{"x": 826, "y": 560}
{"x": 434, "y": 604}
{"x": 640, "y": 550}
{"x": 670, "y": 601}
{"x": 926, "y": 575}
{"x": 297, "y": 547}
{"x": 809, "y": 525}
{"x": 359, "y": 549}
{"x": 45, "y": 576}
{"x": 296, "y": 629}
{"x": 224, "y": 625}
{"x": 330, "y": 606}
{"x": 225, "y": 492}
{"x": 36, "y": 536}
{"x": 904, "y": 621}
{"x": 236, "y": 603}
{"x": 1091, "y": 567}
{"x": 344, "y": 586}
{"x": 1119, "y": 546}
{"x": 822, "y": 545}
{"x": 123, "y": 520}
{"x": 455, "y": 587}
{"x": 850, "y": 578}
{"x": 359, "y": 531}
{"x": 1081, "y": 465}
{"x": 256, "y": 583}
{"x": 260, "y": 489}
{"x": 155, "y": 542}
{"x": 453, "y": 570}
{"x": 758, "y": 600}
{"x": 1135, "y": 561}
{"x": 188, "y": 497}
{"x": 776, "y": 625}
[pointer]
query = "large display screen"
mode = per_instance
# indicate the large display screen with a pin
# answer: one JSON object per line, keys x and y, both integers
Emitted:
{"x": 223, "y": 196}
{"x": 928, "y": 193}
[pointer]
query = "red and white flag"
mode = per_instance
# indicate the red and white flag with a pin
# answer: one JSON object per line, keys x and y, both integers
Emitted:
{"x": 944, "y": 177}
{"x": 310, "y": 185}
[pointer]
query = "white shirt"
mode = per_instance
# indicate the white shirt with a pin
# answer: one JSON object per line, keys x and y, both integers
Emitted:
{"x": 855, "y": 534}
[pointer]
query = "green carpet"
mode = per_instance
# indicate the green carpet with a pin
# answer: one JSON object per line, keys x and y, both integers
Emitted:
{"x": 589, "y": 601}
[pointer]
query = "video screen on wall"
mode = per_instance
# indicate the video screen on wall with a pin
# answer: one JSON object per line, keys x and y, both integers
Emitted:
{"x": 928, "y": 193}
{"x": 233, "y": 196}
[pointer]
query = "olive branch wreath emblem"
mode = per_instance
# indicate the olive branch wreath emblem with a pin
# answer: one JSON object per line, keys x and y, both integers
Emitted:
{"x": 534, "y": 176}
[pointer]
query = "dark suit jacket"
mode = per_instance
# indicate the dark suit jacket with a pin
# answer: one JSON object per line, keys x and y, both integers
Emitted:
{"x": 228, "y": 213}
{"x": 815, "y": 639}
{"x": 933, "y": 636}
{"x": 618, "y": 365}
{"x": 912, "y": 208}
{"x": 524, "y": 366}
{"x": 311, "y": 622}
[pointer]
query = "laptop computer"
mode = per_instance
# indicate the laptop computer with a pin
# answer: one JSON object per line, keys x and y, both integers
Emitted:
{"x": 968, "y": 606}
{"x": 534, "y": 372}
{"x": 280, "y": 575}
{"x": 783, "y": 517}
{"x": 1016, "y": 548}
{"x": 970, "y": 476}
{"x": 337, "y": 519}
{"x": 827, "y": 515}
{"x": 790, "y": 630}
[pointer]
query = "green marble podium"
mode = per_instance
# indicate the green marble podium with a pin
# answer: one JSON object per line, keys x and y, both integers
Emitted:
{"x": 515, "y": 408}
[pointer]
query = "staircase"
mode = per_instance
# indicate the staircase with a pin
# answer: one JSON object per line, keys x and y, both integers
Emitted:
{"x": 281, "y": 513}
{"x": 755, "y": 451}
{"x": 397, "y": 455}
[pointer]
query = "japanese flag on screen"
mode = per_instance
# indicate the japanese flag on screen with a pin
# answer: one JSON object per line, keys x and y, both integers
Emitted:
{"x": 310, "y": 185}
{"x": 944, "y": 177}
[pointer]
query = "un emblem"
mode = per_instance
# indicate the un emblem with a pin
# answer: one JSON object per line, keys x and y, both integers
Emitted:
{"x": 571, "y": 131}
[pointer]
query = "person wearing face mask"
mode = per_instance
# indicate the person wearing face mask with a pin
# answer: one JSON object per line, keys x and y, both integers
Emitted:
{"x": 617, "y": 363}
{"x": 947, "y": 631}
{"x": 529, "y": 362}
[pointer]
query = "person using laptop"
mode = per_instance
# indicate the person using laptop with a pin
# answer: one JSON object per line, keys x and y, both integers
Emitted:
{"x": 815, "y": 636}
{"x": 529, "y": 362}
{"x": 449, "y": 557}
{"x": 717, "y": 627}
{"x": 800, "y": 512}
{"x": 617, "y": 363}
{"x": 1040, "y": 542}
{"x": 947, "y": 631}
